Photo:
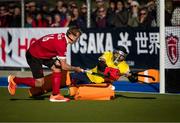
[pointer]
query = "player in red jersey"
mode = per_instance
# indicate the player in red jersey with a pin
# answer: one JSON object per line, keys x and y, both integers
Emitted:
{"x": 50, "y": 50}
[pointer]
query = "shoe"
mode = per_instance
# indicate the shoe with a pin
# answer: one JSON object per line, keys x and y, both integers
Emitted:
{"x": 11, "y": 85}
{"x": 58, "y": 98}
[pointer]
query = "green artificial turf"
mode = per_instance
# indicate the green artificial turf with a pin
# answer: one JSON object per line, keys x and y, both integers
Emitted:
{"x": 126, "y": 107}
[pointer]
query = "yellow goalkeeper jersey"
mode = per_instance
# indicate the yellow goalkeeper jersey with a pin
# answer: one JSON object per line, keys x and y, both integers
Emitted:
{"x": 108, "y": 56}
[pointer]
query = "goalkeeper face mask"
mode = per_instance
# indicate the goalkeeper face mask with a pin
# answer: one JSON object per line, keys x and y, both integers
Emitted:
{"x": 118, "y": 56}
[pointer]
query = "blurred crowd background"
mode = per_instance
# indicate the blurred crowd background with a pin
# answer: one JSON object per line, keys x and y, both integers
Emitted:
{"x": 104, "y": 13}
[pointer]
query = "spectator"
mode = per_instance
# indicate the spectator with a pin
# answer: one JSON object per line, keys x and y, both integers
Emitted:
{"x": 39, "y": 21}
{"x": 83, "y": 14}
{"x": 133, "y": 14}
{"x": 64, "y": 11}
{"x": 5, "y": 17}
{"x": 31, "y": 9}
{"x": 151, "y": 5}
{"x": 49, "y": 20}
{"x": 144, "y": 18}
{"x": 111, "y": 12}
{"x": 98, "y": 4}
{"x": 58, "y": 9}
{"x": 44, "y": 9}
{"x": 121, "y": 15}
{"x": 76, "y": 20}
{"x": 16, "y": 20}
{"x": 168, "y": 12}
{"x": 127, "y": 5}
{"x": 71, "y": 6}
{"x": 29, "y": 21}
{"x": 58, "y": 22}
{"x": 101, "y": 20}
{"x": 11, "y": 8}
{"x": 68, "y": 18}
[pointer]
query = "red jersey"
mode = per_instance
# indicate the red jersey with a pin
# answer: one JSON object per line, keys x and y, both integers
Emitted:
{"x": 49, "y": 46}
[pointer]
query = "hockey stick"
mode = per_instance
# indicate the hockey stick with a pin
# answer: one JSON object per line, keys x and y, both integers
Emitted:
{"x": 94, "y": 73}
{"x": 142, "y": 75}
{"x": 147, "y": 76}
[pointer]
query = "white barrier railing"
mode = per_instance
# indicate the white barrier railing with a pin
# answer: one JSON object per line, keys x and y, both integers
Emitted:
{"x": 15, "y": 41}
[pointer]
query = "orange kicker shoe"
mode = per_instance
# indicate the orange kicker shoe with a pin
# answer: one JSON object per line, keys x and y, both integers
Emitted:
{"x": 58, "y": 98}
{"x": 11, "y": 85}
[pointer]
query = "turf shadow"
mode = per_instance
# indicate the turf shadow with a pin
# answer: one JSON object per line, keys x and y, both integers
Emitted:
{"x": 132, "y": 97}
{"x": 43, "y": 97}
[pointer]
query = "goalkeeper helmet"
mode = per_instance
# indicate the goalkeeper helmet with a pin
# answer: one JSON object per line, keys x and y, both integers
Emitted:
{"x": 119, "y": 54}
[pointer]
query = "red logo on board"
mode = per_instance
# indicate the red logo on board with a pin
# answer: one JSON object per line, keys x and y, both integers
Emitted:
{"x": 172, "y": 48}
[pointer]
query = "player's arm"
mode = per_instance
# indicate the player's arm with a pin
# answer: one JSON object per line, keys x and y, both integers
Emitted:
{"x": 132, "y": 76}
{"x": 61, "y": 63}
{"x": 68, "y": 67}
{"x": 101, "y": 65}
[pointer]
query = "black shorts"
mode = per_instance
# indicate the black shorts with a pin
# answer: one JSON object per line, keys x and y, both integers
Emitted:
{"x": 36, "y": 65}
